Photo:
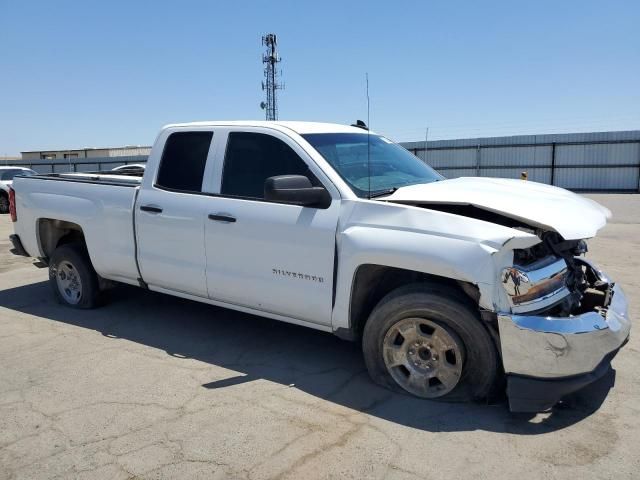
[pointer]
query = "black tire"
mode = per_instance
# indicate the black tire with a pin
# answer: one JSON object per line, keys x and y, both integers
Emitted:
{"x": 4, "y": 203}
{"x": 75, "y": 257}
{"x": 446, "y": 308}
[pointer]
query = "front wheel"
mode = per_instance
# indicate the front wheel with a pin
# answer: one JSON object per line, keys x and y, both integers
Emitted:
{"x": 429, "y": 342}
{"x": 72, "y": 277}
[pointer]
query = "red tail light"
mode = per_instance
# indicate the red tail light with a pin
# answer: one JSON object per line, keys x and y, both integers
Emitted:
{"x": 12, "y": 205}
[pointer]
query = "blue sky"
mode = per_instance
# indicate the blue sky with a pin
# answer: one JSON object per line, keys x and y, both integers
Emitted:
{"x": 94, "y": 73}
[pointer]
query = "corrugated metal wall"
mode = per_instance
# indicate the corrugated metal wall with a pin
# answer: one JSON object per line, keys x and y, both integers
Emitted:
{"x": 607, "y": 161}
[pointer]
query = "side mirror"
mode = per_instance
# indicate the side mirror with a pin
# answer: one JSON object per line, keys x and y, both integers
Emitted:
{"x": 295, "y": 189}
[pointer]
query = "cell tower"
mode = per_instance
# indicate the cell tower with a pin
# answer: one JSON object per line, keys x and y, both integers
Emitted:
{"x": 271, "y": 74}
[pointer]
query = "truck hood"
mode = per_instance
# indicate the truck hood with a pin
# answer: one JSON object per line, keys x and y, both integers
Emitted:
{"x": 535, "y": 204}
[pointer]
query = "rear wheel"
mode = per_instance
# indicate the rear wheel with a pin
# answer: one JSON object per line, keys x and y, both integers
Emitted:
{"x": 428, "y": 341}
{"x": 72, "y": 277}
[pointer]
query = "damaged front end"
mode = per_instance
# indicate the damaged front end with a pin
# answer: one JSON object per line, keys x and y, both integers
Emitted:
{"x": 567, "y": 321}
{"x": 560, "y": 320}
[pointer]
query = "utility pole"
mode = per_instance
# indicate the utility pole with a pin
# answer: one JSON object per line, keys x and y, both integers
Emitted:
{"x": 426, "y": 139}
{"x": 271, "y": 84}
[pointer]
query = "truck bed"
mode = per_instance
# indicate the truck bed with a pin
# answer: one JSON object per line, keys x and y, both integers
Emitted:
{"x": 101, "y": 204}
{"x": 104, "y": 178}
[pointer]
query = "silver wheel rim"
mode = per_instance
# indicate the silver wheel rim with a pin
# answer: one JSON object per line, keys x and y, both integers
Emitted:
{"x": 69, "y": 283}
{"x": 423, "y": 357}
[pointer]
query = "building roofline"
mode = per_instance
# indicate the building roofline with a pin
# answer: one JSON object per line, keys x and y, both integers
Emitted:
{"x": 533, "y": 139}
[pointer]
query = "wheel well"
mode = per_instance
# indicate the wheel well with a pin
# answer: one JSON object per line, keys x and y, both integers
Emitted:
{"x": 53, "y": 233}
{"x": 372, "y": 282}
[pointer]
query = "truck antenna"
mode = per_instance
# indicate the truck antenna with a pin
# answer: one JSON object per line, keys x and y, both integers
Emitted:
{"x": 368, "y": 140}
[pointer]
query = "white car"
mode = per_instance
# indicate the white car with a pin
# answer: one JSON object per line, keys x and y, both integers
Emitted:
{"x": 451, "y": 285}
{"x": 6, "y": 179}
{"x": 136, "y": 169}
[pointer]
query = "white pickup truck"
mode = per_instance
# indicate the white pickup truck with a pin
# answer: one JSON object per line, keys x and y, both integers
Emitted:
{"x": 452, "y": 286}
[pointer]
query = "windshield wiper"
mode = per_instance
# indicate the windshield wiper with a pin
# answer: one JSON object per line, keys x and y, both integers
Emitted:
{"x": 382, "y": 193}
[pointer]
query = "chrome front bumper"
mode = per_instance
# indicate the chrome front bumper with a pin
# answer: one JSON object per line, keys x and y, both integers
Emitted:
{"x": 556, "y": 347}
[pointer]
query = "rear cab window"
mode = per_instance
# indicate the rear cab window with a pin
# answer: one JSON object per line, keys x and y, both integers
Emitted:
{"x": 183, "y": 161}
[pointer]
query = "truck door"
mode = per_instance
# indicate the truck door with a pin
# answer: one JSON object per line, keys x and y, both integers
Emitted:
{"x": 274, "y": 257}
{"x": 170, "y": 213}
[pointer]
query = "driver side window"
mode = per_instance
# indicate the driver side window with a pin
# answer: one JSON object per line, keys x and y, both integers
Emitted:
{"x": 251, "y": 158}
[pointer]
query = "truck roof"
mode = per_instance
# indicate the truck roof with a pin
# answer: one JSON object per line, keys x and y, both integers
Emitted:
{"x": 298, "y": 127}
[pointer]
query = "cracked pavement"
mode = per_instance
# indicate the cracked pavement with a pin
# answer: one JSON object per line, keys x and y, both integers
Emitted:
{"x": 150, "y": 386}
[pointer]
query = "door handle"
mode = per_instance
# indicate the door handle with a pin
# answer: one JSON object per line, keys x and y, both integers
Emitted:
{"x": 150, "y": 209}
{"x": 222, "y": 217}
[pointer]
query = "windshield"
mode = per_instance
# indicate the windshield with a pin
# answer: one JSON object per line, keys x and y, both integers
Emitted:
{"x": 389, "y": 167}
{"x": 9, "y": 174}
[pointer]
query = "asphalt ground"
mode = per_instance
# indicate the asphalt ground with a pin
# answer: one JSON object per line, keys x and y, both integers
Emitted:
{"x": 151, "y": 386}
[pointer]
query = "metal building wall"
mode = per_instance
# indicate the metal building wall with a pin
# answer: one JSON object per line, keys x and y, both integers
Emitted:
{"x": 606, "y": 161}
{"x": 129, "y": 152}
{"x": 126, "y": 151}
